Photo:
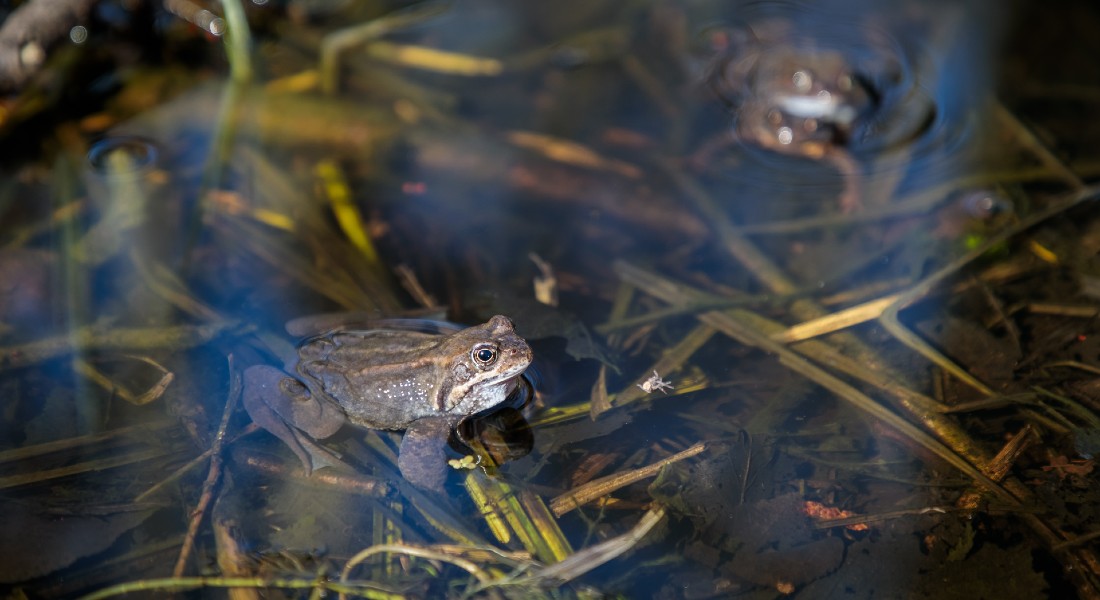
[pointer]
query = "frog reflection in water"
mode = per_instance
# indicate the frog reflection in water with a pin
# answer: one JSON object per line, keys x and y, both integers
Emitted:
{"x": 798, "y": 102}
{"x": 424, "y": 383}
{"x": 802, "y": 104}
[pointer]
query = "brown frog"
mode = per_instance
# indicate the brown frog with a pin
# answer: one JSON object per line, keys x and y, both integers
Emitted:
{"x": 795, "y": 99}
{"x": 802, "y": 103}
{"x": 388, "y": 379}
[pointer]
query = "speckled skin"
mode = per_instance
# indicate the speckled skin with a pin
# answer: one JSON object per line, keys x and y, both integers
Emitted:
{"x": 388, "y": 380}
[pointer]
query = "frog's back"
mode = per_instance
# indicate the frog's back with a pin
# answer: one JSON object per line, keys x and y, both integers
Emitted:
{"x": 350, "y": 350}
{"x": 382, "y": 379}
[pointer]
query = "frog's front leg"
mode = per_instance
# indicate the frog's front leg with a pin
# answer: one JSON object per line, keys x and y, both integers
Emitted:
{"x": 422, "y": 457}
{"x": 283, "y": 406}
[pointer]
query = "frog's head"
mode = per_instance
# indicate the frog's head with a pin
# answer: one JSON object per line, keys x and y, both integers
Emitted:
{"x": 802, "y": 100}
{"x": 486, "y": 361}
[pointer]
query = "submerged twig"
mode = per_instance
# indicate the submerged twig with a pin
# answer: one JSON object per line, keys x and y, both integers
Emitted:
{"x": 191, "y": 464}
{"x": 998, "y": 467}
{"x": 605, "y": 485}
{"x": 884, "y": 516}
{"x": 1077, "y": 541}
{"x": 155, "y": 391}
{"x": 326, "y": 479}
{"x": 213, "y": 475}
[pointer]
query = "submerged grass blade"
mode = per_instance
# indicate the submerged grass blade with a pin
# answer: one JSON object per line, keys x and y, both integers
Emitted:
{"x": 731, "y": 324}
{"x": 95, "y": 337}
{"x": 889, "y": 318}
{"x": 598, "y": 554}
{"x": 526, "y": 515}
{"x": 347, "y": 213}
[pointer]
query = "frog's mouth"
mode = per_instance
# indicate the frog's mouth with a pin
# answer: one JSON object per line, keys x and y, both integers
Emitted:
{"x": 504, "y": 376}
{"x": 823, "y": 107}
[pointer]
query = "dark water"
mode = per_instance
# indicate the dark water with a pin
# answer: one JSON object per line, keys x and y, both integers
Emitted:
{"x": 694, "y": 177}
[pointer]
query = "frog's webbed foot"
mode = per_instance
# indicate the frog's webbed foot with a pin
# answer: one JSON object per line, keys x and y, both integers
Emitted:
{"x": 286, "y": 416}
{"x": 423, "y": 453}
{"x": 313, "y": 457}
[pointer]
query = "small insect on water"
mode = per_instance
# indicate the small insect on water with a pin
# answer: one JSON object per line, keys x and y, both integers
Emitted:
{"x": 655, "y": 383}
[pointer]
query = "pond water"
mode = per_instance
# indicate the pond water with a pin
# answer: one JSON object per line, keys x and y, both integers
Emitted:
{"x": 809, "y": 290}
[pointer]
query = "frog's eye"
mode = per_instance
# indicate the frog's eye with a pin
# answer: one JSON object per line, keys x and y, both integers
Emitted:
{"x": 484, "y": 355}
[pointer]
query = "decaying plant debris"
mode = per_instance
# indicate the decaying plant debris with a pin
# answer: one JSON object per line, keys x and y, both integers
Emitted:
{"x": 867, "y": 364}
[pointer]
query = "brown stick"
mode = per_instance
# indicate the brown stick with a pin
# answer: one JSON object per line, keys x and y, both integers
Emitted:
{"x": 213, "y": 475}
